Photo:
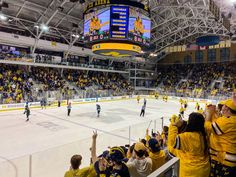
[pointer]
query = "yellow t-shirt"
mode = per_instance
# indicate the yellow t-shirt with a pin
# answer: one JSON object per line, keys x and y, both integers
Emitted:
{"x": 193, "y": 161}
{"x": 158, "y": 159}
{"x": 222, "y": 139}
{"x": 181, "y": 110}
{"x": 84, "y": 172}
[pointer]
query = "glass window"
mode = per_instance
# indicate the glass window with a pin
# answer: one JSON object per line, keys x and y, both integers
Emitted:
{"x": 187, "y": 59}
{"x": 224, "y": 54}
{"x": 211, "y": 55}
{"x": 199, "y": 56}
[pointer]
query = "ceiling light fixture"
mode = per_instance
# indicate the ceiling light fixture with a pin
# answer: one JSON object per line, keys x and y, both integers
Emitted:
{"x": 44, "y": 27}
{"x": 3, "y": 17}
{"x": 75, "y": 35}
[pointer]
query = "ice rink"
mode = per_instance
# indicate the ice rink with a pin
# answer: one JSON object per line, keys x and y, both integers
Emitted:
{"x": 43, "y": 146}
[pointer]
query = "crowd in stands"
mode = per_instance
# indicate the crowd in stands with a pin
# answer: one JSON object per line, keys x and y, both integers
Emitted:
{"x": 103, "y": 81}
{"x": 204, "y": 144}
{"x": 15, "y": 84}
{"x": 197, "y": 80}
{"x": 50, "y": 77}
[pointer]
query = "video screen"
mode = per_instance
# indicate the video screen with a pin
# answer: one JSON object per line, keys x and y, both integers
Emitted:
{"x": 139, "y": 27}
{"x": 97, "y": 25}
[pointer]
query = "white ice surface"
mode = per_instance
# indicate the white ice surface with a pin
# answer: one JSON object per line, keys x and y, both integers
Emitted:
{"x": 51, "y": 138}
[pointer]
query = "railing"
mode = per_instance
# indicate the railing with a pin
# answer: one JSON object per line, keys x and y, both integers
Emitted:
{"x": 191, "y": 94}
{"x": 169, "y": 169}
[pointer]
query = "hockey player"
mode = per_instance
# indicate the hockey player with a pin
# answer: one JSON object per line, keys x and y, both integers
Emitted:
{"x": 197, "y": 106}
{"x": 181, "y": 101}
{"x": 185, "y": 104}
{"x": 181, "y": 111}
{"x": 98, "y": 109}
{"x": 44, "y": 103}
{"x": 68, "y": 109}
{"x": 41, "y": 103}
{"x": 138, "y": 98}
{"x": 143, "y": 110}
{"x": 59, "y": 103}
{"x": 145, "y": 101}
{"x": 156, "y": 95}
{"x": 27, "y": 112}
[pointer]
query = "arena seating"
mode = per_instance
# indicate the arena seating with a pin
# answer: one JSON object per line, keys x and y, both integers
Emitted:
{"x": 197, "y": 79}
{"x": 18, "y": 86}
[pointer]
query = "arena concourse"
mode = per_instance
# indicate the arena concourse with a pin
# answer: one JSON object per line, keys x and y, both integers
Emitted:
{"x": 113, "y": 88}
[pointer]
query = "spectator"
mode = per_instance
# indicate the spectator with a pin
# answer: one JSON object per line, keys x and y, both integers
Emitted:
{"x": 138, "y": 164}
{"x": 222, "y": 139}
{"x": 190, "y": 146}
{"x": 118, "y": 167}
{"x": 156, "y": 154}
{"x": 74, "y": 169}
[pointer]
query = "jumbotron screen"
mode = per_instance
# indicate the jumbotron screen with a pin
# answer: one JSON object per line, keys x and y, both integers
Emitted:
{"x": 117, "y": 23}
{"x": 97, "y": 25}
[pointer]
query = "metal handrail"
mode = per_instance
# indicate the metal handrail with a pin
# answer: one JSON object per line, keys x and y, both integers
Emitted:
{"x": 167, "y": 166}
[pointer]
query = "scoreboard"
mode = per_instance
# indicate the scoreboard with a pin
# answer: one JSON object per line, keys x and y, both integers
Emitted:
{"x": 118, "y": 28}
{"x": 119, "y": 22}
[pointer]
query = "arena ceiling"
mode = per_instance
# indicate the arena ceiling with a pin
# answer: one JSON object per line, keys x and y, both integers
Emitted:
{"x": 173, "y": 21}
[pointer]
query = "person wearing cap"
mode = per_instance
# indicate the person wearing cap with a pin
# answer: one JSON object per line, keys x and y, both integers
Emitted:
{"x": 157, "y": 155}
{"x": 138, "y": 164}
{"x": 117, "y": 156}
{"x": 190, "y": 146}
{"x": 222, "y": 139}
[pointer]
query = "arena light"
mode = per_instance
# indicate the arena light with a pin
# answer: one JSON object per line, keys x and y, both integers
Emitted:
{"x": 153, "y": 54}
{"x": 233, "y": 1}
{"x": 3, "y": 17}
{"x": 44, "y": 27}
{"x": 75, "y": 35}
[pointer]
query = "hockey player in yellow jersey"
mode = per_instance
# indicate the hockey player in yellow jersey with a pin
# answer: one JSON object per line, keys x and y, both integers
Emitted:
{"x": 222, "y": 139}
{"x": 156, "y": 95}
{"x": 138, "y": 98}
{"x": 190, "y": 146}
{"x": 197, "y": 106}
{"x": 181, "y": 101}
{"x": 181, "y": 111}
{"x": 185, "y": 102}
{"x": 165, "y": 98}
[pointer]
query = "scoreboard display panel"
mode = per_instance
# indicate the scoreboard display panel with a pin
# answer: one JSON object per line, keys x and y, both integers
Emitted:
{"x": 118, "y": 23}
{"x": 139, "y": 27}
{"x": 97, "y": 25}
